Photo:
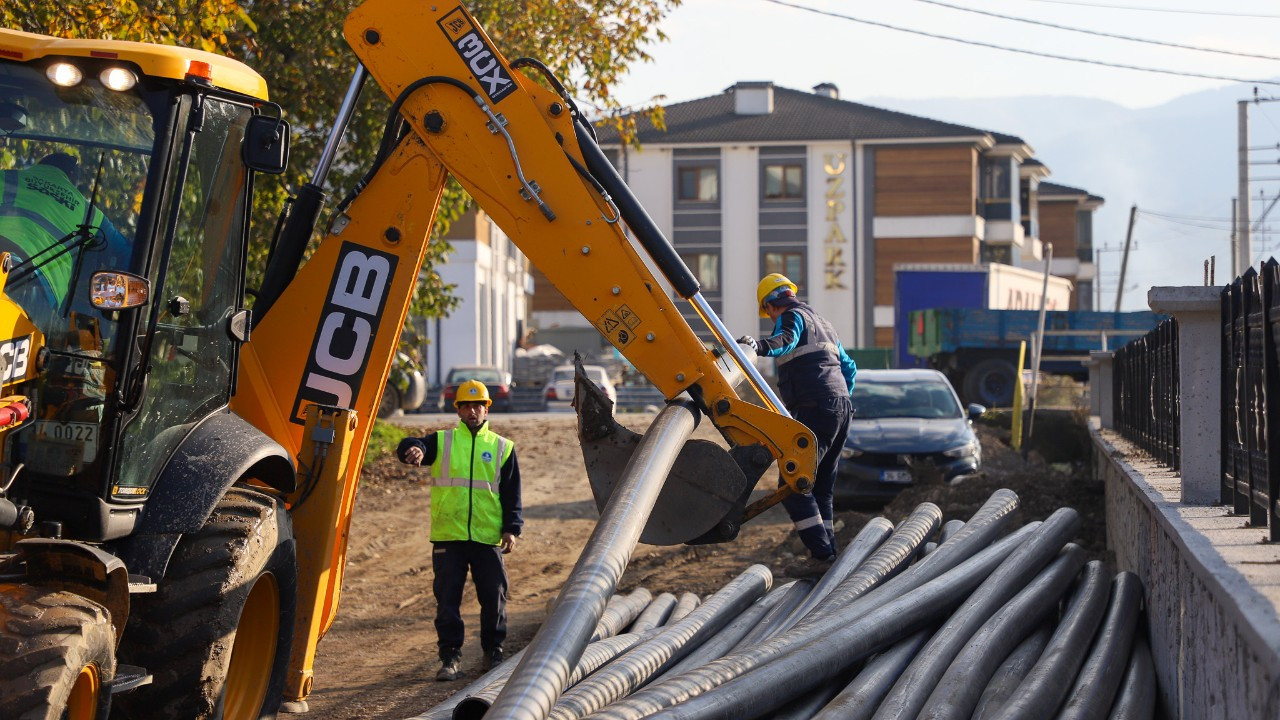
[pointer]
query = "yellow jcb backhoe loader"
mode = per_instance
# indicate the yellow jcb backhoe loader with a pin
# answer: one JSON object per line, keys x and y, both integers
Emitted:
{"x": 179, "y": 465}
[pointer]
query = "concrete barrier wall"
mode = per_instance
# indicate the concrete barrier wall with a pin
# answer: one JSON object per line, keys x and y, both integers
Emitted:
{"x": 1213, "y": 588}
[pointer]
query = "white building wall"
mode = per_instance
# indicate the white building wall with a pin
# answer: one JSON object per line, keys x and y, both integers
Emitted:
{"x": 832, "y": 266}
{"x": 740, "y": 238}
{"x": 648, "y": 172}
{"x": 493, "y": 292}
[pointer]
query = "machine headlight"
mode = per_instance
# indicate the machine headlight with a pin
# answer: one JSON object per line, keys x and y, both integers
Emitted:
{"x": 64, "y": 74}
{"x": 118, "y": 79}
{"x": 965, "y": 450}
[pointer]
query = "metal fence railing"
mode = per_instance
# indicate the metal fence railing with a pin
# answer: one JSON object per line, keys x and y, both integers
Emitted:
{"x": 1145, "y": 392}
{"x": 1251, "y": 397}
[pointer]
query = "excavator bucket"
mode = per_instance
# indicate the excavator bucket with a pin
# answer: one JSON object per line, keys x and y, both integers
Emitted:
{"x": 705, "y": 497}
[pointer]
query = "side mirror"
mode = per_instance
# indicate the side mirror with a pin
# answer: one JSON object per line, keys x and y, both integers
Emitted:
{"x": 117, "y": 290}
{"x": 976, "y": 411}
{"x": 266, "y": 144}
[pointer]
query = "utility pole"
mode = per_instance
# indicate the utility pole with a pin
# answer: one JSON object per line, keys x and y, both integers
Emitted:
{"x": 1242, "y": 257}
{"x": 1124, "y": 262}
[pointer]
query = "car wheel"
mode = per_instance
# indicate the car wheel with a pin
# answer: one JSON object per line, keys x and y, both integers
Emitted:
{"x": 991, "y": 383}
{"x": 389, "y": 403}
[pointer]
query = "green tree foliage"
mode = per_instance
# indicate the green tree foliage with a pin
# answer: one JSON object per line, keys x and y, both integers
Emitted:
{"x": 297, "y": 45}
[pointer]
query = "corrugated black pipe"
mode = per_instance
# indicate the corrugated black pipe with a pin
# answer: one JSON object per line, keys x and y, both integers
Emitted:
{"x": 474, "y": 705}
{"x": 722, "y": 642}
{"x": 790, "y": 601}
{"x": 810, "y": 664}
{"x": 868, "y": 540}
{"x": 620, "y": 612}
{"x": 1103, "y": 670}
{"x": 1047, "y": 684}
{"x": 908, "y": 696}
{"x": 1137, "y": 697}
{"x": 638, "y": 665}
{"x": 655, "y": 614}
{"x": 956, "y": 695}
{"x": 863, "y": 694}
{"x": 541, "y": 675}
{"x": 688, "y": 603}
{"x": 856, "y": 631}
{"x": 1012, "y": 671}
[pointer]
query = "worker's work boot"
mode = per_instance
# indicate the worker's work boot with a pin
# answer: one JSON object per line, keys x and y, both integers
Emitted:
{"x": 450, "y": 665}
{"x": 808, "y": 566}
{"x": 492, "y": 658}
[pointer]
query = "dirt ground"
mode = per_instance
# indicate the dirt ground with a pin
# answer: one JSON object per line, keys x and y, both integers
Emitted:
{"x": 379, "y": 659}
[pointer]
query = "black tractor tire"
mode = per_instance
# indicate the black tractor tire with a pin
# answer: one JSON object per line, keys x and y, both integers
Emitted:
{"x": 216, "y": 635}
{"x": 991, "y": 383}
{"x": 389, "y": 403}
{"x": 57, "y": 655}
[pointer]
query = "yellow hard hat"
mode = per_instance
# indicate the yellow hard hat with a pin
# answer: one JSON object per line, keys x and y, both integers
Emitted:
{"x": 770, "y": 283}
{"x": 472, "y": 391}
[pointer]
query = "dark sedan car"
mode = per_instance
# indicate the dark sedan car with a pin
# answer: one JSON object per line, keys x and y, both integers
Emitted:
{"x": 904, "y": 421}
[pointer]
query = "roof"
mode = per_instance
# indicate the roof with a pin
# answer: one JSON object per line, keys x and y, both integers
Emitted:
{"x": 902, "y": 375}
{"x": 797, "y": 116}
{"x": 169, "y": 61}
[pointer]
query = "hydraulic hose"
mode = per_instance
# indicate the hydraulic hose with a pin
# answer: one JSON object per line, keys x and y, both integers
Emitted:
{"x": 544, "y": 671}
{"x": 863, "y": 694}
{"x": 956, "y": 695}
{"x": 1042, "y": 692}
{"x": 1104, "y": 668}
{"x": 644, "y": 661}
{"x": 1011, "y": 672}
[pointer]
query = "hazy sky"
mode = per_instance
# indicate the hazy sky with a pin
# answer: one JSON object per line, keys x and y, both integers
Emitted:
{"x": 714, "y": 43}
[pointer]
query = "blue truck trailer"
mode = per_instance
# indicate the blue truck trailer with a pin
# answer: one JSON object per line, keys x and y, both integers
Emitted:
{"x": 978, "y": 349}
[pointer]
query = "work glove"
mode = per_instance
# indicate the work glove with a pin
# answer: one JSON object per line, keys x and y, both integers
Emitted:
{"x": 749, "y": 342}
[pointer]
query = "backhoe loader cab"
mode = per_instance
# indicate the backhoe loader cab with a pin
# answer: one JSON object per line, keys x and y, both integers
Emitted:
{"x": 125, "y": 187}
{"x": 105, "y": 168}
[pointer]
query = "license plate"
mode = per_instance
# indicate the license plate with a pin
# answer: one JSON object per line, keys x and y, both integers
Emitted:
{"x": 83, "y": 436}
{"x": 895, "y": 476}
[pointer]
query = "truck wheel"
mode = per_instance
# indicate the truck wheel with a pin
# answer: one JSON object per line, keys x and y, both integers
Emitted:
{"x": 991, "y": 383}
{"x": 57, "y": 654}
{"x": 216, "y": 635}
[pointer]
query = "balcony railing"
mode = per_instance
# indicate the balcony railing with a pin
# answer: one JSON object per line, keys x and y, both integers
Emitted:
{"x": 1145, "y": 394}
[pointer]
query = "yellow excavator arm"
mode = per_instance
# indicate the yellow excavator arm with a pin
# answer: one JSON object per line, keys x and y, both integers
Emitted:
{"x": 531, "y": 162}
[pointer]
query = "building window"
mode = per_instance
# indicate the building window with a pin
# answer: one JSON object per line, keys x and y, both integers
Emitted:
{"x": 705, "y": 268}
{"x": 790, "y": 264}
{"x": 783, "y": 182}
{"x": 700, "y": 184}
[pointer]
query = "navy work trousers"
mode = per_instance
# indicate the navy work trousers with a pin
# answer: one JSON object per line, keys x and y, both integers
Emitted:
{"x": 813, "y": 514}
{"x": 450, "y": 562}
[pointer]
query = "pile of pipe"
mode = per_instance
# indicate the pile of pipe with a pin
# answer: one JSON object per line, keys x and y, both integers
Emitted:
{"x": 927, "y": 620}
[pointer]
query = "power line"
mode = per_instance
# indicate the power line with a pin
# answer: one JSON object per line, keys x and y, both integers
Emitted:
{"x": 1098, "y": 32}
{"x": 1151, "y": 9}
{"x": 1036, "y": 53}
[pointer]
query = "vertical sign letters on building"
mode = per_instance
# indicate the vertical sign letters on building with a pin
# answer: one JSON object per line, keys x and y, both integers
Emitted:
{"x": 834, "y": 242}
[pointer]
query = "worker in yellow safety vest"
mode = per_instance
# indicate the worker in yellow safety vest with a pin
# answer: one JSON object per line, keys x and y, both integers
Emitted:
{"x": 475, "y": 518}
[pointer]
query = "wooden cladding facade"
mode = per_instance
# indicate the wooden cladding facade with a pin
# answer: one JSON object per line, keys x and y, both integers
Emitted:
{"x": 1058, "y": 226}
{"x": 926, "y": 180}
{"x": 899, "y": 251}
